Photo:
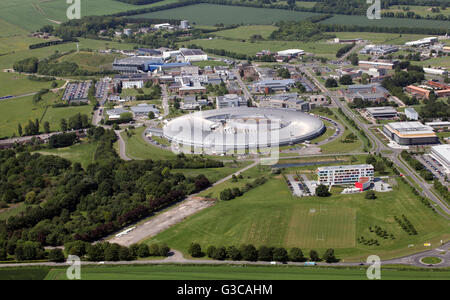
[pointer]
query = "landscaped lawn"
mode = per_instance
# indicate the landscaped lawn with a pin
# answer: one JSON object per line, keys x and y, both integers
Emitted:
{"x": 229, "y": 272}
{"x": 270, "y": 215}
{"x": 138, "y": 148}
{"x": 91, "y": 61}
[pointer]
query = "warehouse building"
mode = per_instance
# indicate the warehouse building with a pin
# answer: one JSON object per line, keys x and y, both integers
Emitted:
{"x": 442, "y": 154}
{"x": 135, "y": 64}
{"x": 410, "y": 133}
{"x": 411, "y": 114}
{"x": 378, "y": 49}
{"x": 347, "y": 174}
{"x": 230, "y": 100}
{"x": 272, "y": 85}
{"x": 376, "y": 64}
{"x": 384, "y": 112}
{"x": 191, "y": 55}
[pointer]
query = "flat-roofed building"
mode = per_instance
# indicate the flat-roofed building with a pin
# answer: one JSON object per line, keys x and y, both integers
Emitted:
{"x": 378, "y": 49}
{"x": 369, "y": 92}
{"x": 418, "y": 91}
{"x": 139, "y": 84}
{"x": 272, "y": 85}
{"x": 135, "y": 64}
{"x": 230, "y": 100}
{"x": 191, "y": 55}
{"x": 411, "y": 114}
{"x": 442, "y": 154}
{"x": 439, "y": 125}
{"x": 384, "y": 112}
{"x": 410, "y": 133}
{"x": 347, "y": 174}
{"x": 376, "y": 64}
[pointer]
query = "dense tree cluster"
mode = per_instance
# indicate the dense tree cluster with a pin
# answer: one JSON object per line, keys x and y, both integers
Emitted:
{"x": 299, "y": 31}
{"x": 63, "y": 140}
{"x": 66, "y": 203}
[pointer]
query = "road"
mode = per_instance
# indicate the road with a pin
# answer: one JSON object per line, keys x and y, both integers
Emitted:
{"x": 247, "y": 94}
{"x": 394, "y": 154}
{"x": 176, "y": 257}
{"x": 122, "y": 146}
{"x": 165, "y": 100}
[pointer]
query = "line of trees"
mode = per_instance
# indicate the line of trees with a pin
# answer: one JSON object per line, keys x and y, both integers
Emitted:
{"x": 248, "y": 252}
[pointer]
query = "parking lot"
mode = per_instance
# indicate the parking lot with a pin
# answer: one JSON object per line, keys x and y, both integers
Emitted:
{"x": 77, "y": 91}
{"x": 433, "y": 166}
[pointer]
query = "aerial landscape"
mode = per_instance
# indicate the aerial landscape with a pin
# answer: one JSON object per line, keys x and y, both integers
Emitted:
{"x": 217, "y": 140}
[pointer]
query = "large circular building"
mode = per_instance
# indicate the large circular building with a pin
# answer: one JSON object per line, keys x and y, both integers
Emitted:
{"x": 239, "y": 128}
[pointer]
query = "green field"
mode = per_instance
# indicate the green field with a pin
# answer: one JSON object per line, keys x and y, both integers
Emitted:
{"x": 270, "y": 215}
{"x": 385, "y": 22}
{"x": 138, "y": 148}
{"x": 246, "y": 32}
{"x": 13, "y": 211}
{"x": 12, "y": 84}
{"x": 213, "y": 174}
{"x": 21, "y": 110}
{"x": 211, "y": 14}
{"x": 82, "y": 153}
{"x": 380, "y": 38}
{"x": 19, "y": 53}
{"x": 229, "y": 272}
{"x": 249, "y": 48}
{"x": 91, "y": 61}
{"x": 418, "y": 10}
{"x": 32, "y": 15}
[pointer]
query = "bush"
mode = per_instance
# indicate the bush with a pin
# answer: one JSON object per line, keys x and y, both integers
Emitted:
{"x": 329, "y": 256}
{"x": 296, "y": 255}
{"x": 322, "y": 191}
{"x": 195, "y": 250}
{"x": 249, "y": 253}
{"x": 280, "y": 254}
{"x": 265, "y": 253}
{"x": 314, "y": 256}
{"x": 56, "y": 255}
{"x": 143, "y": 250}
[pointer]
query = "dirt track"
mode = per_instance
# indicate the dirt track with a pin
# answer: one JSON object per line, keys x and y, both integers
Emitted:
{"x": 163, "y": 221}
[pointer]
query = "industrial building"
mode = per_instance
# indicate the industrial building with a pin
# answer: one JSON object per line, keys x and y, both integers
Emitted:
{"x": 230, "y": 100}
{"x": 192, "y": 55}
{"x": 144, "y": 109}
{"x": 370, "y": 92}
{"x": 238, "y": 128}
{"x": 442, "y": 154}
{"x": 422, "y": 42}
{"x": 418, "y": 91}
{"x": 411, "y": 114}
{"x": 435, "y": 71}
{"x": 376, "y": 64}
{"x": 286, "y": 100}
{"x": 135, "y": 64}
{"x": 384, "y": 112}
{"x": 378, "y": 49}
{"x": 347, "y": 174}
{"x": 410, "y": 133}
{"x": 272, "y": 85}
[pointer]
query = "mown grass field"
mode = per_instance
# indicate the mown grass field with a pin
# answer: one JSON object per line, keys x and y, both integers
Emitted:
{"x": 137, "y": 148}
{"x": 229, "y": 272}
{"x": 32, "y": 15}
{"x": 381, "y": 38}
{"x": 211, "y": 14}
{"x": 22, "y": 52}
{"x": 21, "y": 110}
{"x": 418, "y": 10}
{"x": 91, "y": 61}
{"x": 82, "y": 153}
{"x": 213, "y": 174}
{"x": 12, "y": 84}
{"x": 270, "y": 215}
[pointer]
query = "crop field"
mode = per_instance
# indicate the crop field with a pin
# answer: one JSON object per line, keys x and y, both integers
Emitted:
{"x": 32, "y": 15}
{"x": 82, "y": 153}
{"x": 270, "y": 215}
{"x": 211, "y": 14}
{"x": 228, "y": 272}
{"x": 418, "y": 10}
{"x": 12, "y": 84}
{"x": 385, "y": 22}
{"x": 246, "y": 32}
{"x": 91, "y": 61}
{"x": 21, "y": 110}
{"x": 249, "y": 48}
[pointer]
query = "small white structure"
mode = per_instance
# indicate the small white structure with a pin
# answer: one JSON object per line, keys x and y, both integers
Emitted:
{"x": 441, "y": 153}
{"x": 435, "y": 71}
{"x": 411, "y": 114}
{"x": 192, "y": 55}
{"x": 290, "y": 52}
{"x": 422, "y": 42}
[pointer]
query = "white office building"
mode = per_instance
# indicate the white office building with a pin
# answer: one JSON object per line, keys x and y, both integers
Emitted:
{"x": 347, "y": 174}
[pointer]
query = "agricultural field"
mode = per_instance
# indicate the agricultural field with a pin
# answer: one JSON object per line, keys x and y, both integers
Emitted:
{"x": 13, "y": 84}
{"x": 270, "y": 215}
{"x": 91, "y": 61}
{"x": 246, "y": 32}
{"x": 227, "y": 272}
{"x": 32, "y": 15}
{"x": 385, "y": 22}
{"x": 212, "y": 14}
{"x": 21, "y": 110}
{"x": 80, "y": 153}
{"x": 249, "y": 48}
{"x": 418, "y": 10}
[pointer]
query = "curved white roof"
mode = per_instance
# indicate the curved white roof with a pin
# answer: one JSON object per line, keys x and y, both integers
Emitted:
{"x": 243, "y": 127}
